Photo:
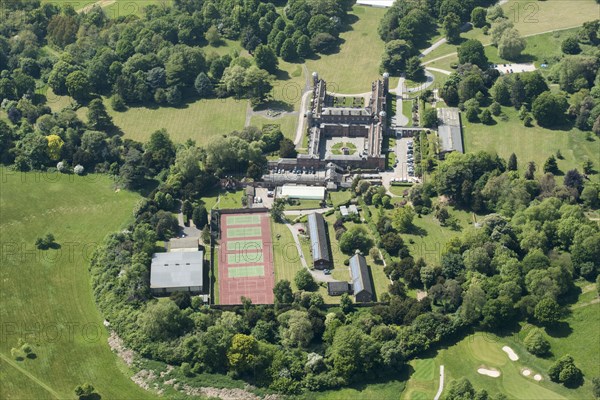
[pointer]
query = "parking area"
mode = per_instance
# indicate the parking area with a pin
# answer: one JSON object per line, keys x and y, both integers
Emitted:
{"x": 404, "y": 169}
{"x": 514, "y": 68}
{"x": 263, "y": 195}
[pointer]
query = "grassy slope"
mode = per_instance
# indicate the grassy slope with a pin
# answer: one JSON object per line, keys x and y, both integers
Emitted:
{"x": 530, "y": 144}
{"x": 423, "y": 381}
{"x": 580, "y": 340}
{"x": 532, "y": 18}
{"x": 201, "y": 121}
{"x": 356, "y": 65}
{"x": 381, "y": 391}
{"x": 542, "y": 48}
{"x": 49, "y": 292}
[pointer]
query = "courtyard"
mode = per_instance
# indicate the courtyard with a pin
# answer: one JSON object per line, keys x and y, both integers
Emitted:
{"x": 336, "y": 146}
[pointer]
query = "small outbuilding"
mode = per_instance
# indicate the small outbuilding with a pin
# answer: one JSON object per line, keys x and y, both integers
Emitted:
{"x": 337, "y": 288}
{"x": 179, "y": 271}
{"x": 362, "y": 286}
{"x": 344, "y": 211}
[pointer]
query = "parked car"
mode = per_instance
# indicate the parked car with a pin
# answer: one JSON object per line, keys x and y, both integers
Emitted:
{"x": 327, "y": 272}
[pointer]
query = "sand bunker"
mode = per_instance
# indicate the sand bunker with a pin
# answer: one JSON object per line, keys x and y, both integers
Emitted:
{"x": 526, "y": 372}
{"x": 489, "y": 372}
{"x": 511, "y": 353}
{"x": 537, "y": 377}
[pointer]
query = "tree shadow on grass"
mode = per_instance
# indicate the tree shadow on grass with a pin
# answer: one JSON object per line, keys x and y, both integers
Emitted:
{"x": 282, "y": 75}
{"x": 274, "y": 105}
{"x": 384, "y": 376}
{"x": 348, "y": 21}
{"x": 417, "y": 231}
{"x": 559, "y": 330}
{"x": 525, "y": 59}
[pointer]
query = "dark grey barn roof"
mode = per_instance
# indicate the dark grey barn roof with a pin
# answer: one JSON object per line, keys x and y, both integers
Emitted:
{"x": 360, "y": 275}
{"x": 318, "y": 237}
{"x": 336, "y": 287}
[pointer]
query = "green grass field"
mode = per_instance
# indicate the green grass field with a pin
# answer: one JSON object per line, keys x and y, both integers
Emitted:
{"x": 341, "y": 272}
{"x": 423, "y": 381}
{"x": 375, "y": 391}
{"x": 530, "y": 18}
{"x": 304, "y": 204}
{"x": 285, "y": 255}
{"x": 428, "y": 240}
{"x": 346, "y": 72}
{"x": 579, "y": 339}
{"x": 287, "y": 124}
{"x": 48, "y": 293}
{"x": 201, "y": 121}
{"x": 530, "y": 144}
{"x": 541, "y": 48}
{"x": 227, "y": 200}
{"x": 340, "y": 197}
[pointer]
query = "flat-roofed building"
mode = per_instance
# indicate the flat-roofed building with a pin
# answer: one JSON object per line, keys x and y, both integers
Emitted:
{"x": 319, "y": 247}
{"x": 344, "y": 211}
{"x": 301, "y": 192}
{"x": 180, "y": 271}
{"x": 361, "y": 281}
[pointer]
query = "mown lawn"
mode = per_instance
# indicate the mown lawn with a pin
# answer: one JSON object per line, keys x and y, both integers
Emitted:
{"x": 201, "y": 121}
{"x": 340, "y": 197}
{"x": 381, "y": 391}
{"x": 46, "y": 295}
{"x": 424, "y": 379}
{"x": 342, "y": 272}
{"x": 577, "y": 336}
{"x": 542, "y": 48}
{"x": 231, "y": 199}
{"x": 532, "y": 18}
{"x": 485, "y": 350}
{"x": 303, "y": 204}
{"x": 356, "y": 65}
{"x": 287, "y": 124}
{"x": 531, "y": 144}
{"x": 285, "y": 254}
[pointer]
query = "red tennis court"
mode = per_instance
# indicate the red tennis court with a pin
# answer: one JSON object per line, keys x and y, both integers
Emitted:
{"x": 246, "y": 259}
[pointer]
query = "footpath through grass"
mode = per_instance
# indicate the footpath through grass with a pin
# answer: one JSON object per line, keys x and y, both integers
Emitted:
{"x": 46, "y": 296}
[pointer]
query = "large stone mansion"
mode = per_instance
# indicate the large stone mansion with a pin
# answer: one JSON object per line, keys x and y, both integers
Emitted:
{"x": 330, "y": 123}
